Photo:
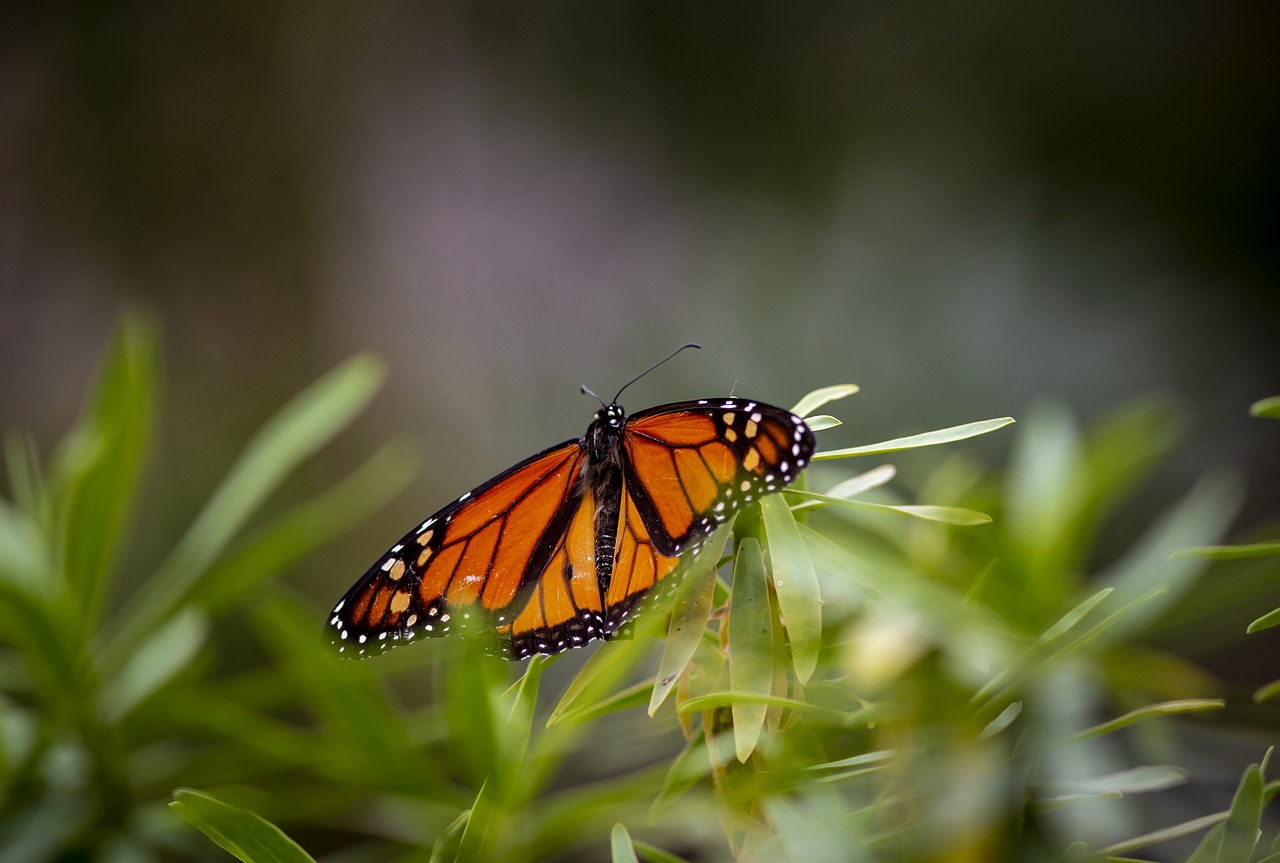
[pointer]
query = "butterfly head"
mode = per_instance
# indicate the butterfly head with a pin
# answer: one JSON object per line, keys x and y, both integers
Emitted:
{"x": 612, "y": 416}
{"x": 603, "y": 438}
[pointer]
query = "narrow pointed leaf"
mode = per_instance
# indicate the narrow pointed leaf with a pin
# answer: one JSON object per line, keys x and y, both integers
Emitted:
{"x": 689, "y": 616}
{"x": 1202, "y": 514}
{"x": 1266, "y": 693}
{"x": 1167, "y": 708}
{"x": 298, "y": 532}
{"x": 1231, "y": 552}
{"x": 932, "y": 438}
{"x": 97, "y": 501}
{"x": 156, "y": 661}
{"x": 1075, "y": 615}
{"x": 446, "y": 845}
{"x": 309, "y": 421}
{"x": 602, "y": 674}
{"x": 238, "y": 831}
{"x": 854, "y": 486}
{"x": 1268, "y": 407}
{"x": 654, "y": 854}
{"x": 1241, "y": 832}
{"x": 1155, "y": 837}
{"x": 820, "y": 397}
{"x": 620, "y": 845}
{"x": 796, "y": 584}
{"x": 944, "y": 514}
{"x": 750, "y": 645}
{"x": 822, "y": 422}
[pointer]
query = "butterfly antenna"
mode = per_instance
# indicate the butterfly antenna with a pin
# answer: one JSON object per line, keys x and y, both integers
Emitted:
{"x": 654, "y": 366}
{"x": 594, "y": 396}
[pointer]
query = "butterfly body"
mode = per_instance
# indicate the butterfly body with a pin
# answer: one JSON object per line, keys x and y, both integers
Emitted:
{"x": 559, "y": 549}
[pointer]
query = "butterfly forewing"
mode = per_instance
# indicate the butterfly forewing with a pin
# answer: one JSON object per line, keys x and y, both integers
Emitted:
{"x": 473, "y": 563}
{"x": 691, "y": 465}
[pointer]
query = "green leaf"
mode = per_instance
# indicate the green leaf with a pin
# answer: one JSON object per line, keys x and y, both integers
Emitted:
{"x": 1155, "y": 837}
{"x": 1241, "y": 832}
{"x": 1075, "y": 615}
{"x": 820, "y": 397}
{"x": 944, "y": 514}
{"x": 600, "y": 676}
{"x": 1002, "y": 721}
{"x": 367, "y": 740}
{"x": 468, "y": 691}
{"x": 1203, "y": 514}
{"x": 1266, "y": 693}
{"x": 23, "y": 465}
{"x": 795, "y": 582}
{"x": 750, "y": 648}
{"x": 480, "y": 835}
{"x": 1268, "y": 620}
{"x": 822, "y": 422}
{"x": 156, "y": 662}
{"x": 299, "y": 532}
{"x": 23, "y": 560}
{"x": 712, "y": 700}
{"x": 656, "y": 855}
{"x": 309, "y": 421}
{"x": 97, "y": 488}
{"x": 1167, "y": 708}
{"x": 238, "y": 831}
{"x": 633, "y": 696}
{"x": 689, "y": 616}
{"x": 620, "y": 845}
{"x": 932, "y": 438}
{"x": 519, "y": 724}
{"x": 1136, "y": 780}
{"x": 693, "y": 762}
{"x": 853, "y": 486}
{"x": 864, "y": 482}
{"x": 1231, "y": 552}
{"x": 1268, "y": 407}
{"x": 445, "y": 847}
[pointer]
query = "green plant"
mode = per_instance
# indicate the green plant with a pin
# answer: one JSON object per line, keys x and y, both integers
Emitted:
{"x": 840, "y": 676}
{"x": 96, "y": 700}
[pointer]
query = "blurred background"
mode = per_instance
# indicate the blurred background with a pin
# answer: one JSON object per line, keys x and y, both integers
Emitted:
{"x": 967, "y": 211}
{"x": 962, "y": 211}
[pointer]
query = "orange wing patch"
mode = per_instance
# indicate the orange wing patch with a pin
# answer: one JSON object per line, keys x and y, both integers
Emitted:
{"x": 638, "y": 566}
{"x": 564, "y": 609}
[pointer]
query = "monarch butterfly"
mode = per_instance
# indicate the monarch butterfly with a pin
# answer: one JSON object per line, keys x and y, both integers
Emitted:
{"x": 559, "y": 549}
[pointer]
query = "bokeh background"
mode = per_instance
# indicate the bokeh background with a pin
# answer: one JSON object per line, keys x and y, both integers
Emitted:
{"x": 965, "y": 210}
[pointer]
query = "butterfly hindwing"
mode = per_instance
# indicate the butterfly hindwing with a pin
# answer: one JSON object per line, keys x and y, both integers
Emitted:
{"x": 473, "y": 563}
{"x": 638, "y": 566}
{"x": 564, "y": 609}
{"x": 690, "y": 465}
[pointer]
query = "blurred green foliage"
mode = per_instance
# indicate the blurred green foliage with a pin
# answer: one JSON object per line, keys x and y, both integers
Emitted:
{"x": 843, "y": 676}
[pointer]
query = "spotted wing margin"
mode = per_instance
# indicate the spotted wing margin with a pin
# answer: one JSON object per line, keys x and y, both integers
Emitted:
{"x": 691, "y": 465}
{"x": 472, "y": 565}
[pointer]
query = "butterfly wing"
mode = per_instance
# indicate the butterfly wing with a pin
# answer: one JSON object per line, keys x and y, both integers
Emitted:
{"x": 476, "y": 563}
{"x": 638, "y": 566}
{"x": 690, "y": 465}
{"x": 565, "y": 608}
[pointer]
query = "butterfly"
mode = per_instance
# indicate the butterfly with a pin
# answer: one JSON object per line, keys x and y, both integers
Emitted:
{"x": 561, "y": 548}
